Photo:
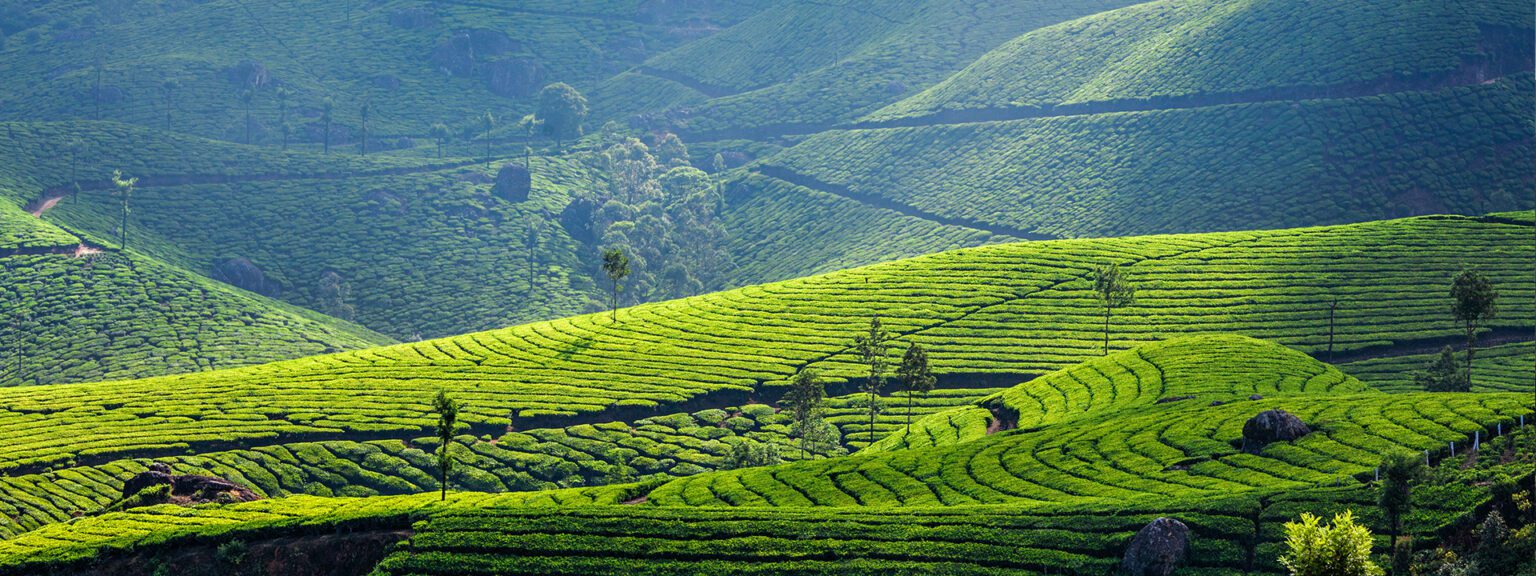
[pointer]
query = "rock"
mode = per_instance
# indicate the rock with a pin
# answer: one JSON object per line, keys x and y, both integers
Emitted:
{"x": 415, "y": 18}
{"x": 201, "y": 489}
{"x": 513, "y": 183}
{"x": 146, "y": 479}
{"x": 1272, "y": 426}
{"x": 248, "y": 74}
{"x": 1173, "y": 399}
{"x": 243, "y": 273}
{"x": 1157, "y": 549}
{"x": 160, "y": 467}
{"x": 1218, "y": 402}
{"x": 1256, "y": 397}
{"x": 514, "y": 78}
{"x": 460, "y": 52}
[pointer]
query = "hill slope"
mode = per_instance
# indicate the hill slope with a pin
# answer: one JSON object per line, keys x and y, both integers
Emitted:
{"x": 1018, "y": 309}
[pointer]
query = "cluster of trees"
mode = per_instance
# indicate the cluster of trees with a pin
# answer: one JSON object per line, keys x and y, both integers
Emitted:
{"x": 657, "y": 220}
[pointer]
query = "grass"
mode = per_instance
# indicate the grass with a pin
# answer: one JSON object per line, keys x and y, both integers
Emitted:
{"x": 1016, "y": 309}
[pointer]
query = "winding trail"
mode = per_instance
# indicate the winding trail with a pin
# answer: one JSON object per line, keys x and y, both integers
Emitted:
{"x": 806, "y": 181}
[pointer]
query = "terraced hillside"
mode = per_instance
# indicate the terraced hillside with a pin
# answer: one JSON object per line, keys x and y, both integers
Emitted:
{"x": 1018, "y": 309}
{"x": 343, "y": 235}
{"x": 183, "y": 67}
{"x": 1107, "y": 446}
{"x": 1506, "y": 368}
{"x": 110, "y": 316}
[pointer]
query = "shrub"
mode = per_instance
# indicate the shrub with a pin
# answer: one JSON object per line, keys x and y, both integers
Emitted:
{"x": 1340, "y": 549}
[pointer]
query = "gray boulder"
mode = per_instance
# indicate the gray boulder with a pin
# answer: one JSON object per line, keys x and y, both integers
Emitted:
{"x": 1157, "y": 549}
{"x": 1272, "y": 426}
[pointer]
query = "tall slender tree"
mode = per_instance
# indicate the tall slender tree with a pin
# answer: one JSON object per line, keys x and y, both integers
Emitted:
{"x": 535, "y": 232}
{"x": 168, "y": 98}
{"x": 327, "y": 114}
{"x": 124, "y": 191}
{"x": 440, "y": 134}
{"x": 1113, "y": 291}
{"x": 447, "y": 410}
{"x": 806, "y": 403}
{"x": 283, "y": 93}
{"x": 1399, "y": 471}
{"x": 871, "y": 348}
{"x": 1475, "y": 302}
{"x": 366, "y": 110}
{"x": 616, "y": 266}
{"x": 915, "y": 376}
{"x": 247, "y": 97}
{"x": 488, "y": 120}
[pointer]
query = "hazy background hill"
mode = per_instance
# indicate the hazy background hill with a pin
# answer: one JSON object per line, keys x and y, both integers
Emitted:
{"x": 825, "y": 135}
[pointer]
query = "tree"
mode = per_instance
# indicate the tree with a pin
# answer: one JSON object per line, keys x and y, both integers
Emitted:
{"x": 489, "y": 121}
{"x": 247, "y": 97}
{"x": 124, "y": 191}
{"x": 1113, "y": 291}
{"x": 871, "y": 348}
{"x": 616, "y": 266}
{"x": 365, "y": 111}
{"x": 335, "y": 294}
{"x": 1475, "y": 303}
{"x": 440, "y": 134}
{"x": 1342, "y": 549}
{"x": 1444, "y": 374}
{"x": 327, "y": 108}
{"x": 561, "y": 111}
{"x": 535, "y": 232}
{"x": 806, "y": 403}
{"x": 447, "y": 415}
{"x": 1399, "y": 471}
{"x": 168, "y": 98}
{"x": 283, "y": 94}
{"x": 750, "y": 453}
{"x": 915, "y": 376}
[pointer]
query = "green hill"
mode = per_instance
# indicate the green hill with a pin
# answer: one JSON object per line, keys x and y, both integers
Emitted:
{"x": 416, "y": 63}
{"x": 107, "y": 316}
{"x": 1065, "y": 491}
{"x": 1158, "y": 52}
{"x": 1017, "y": 309}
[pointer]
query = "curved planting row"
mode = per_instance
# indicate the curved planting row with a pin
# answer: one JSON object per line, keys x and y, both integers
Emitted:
{"x": 1016, "y": 309}
{"x": 1169, "y": 451}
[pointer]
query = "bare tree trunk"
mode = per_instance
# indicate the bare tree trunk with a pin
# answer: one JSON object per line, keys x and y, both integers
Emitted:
{"x": 1106, "y": 329}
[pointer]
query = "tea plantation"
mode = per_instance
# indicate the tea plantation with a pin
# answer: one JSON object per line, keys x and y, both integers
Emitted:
{"x": 1017, "y": 309}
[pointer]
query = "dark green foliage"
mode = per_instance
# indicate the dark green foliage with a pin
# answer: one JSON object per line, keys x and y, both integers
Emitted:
{"x": 1399, "y": 471}
{"x": 751, "y": 453}
{"x": 1113, "y": 290}
{"x": 616, "y": 267}
{"x": 1445, "y": 374}
{"x": 1474, "y": 302}
{"x": 447, "y": 411}
{"x": 915, "y": 376}
{"x": 561, "y": 111}
{"x": 870, "y": 348}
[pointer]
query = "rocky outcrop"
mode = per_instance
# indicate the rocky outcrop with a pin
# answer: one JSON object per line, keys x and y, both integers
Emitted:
{"x": 248, "y": 74}
{"x": 1272, "y": 426}
{"x": 243, "y": 273}
{"x": 460, "y": 53}
{"x": 188, "y": 489}
{"x": 513, "y": 183}
{"x": 1157, "y": 549}
{"x": 514, "y": 78}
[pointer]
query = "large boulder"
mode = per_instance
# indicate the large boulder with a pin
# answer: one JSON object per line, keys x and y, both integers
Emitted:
{"x": 513, "y": 183}
{"x": 146, "y": 479}
{"x": 1272, "y": 426}
{"x": 201, "y": 489}
{"x": 514, "y": 78}
{"x": 248, "y": 74}
{"x": 1157, "y": 549}
{"x": 243, "y": 273}
{"x": 459, "y": 53}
